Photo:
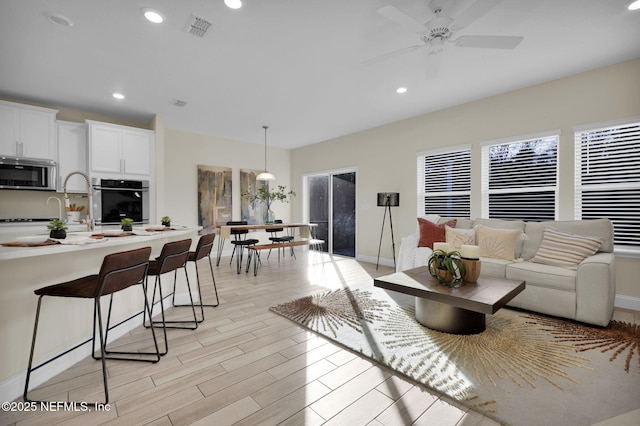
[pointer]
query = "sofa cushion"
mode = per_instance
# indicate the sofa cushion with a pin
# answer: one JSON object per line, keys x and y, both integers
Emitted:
{"x": 458, "y": 237}
{"x": 593, "y": 227}
{"x": 431, "y": 233}
{"x": 494, "y": 267}
{"x": 497, "y": 243}
{"x": 539, "y": 275}
{"x": 564, "y": 249}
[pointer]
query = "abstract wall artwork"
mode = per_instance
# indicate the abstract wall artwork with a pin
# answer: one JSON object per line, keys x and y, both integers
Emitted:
{"x": 251, "y": 212}
{"x": 214, "y": 197}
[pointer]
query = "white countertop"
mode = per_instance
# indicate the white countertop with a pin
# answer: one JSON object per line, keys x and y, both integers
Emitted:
{"x": 21, "y": 252}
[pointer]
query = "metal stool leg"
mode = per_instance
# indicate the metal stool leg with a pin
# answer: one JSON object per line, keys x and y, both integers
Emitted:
{"x": 215, "y": 290}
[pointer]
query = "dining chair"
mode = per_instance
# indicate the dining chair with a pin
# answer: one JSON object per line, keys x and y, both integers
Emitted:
{"x": 274, "y": 238}
{"x": 240, "y": 240}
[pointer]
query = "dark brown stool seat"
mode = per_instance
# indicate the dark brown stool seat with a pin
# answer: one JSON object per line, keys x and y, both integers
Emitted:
{"x": 203, "y": 249}
{"x": 118, "y": 272}
{"x": 172, "y": 257}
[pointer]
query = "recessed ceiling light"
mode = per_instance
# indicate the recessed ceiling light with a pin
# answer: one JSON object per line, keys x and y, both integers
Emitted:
{"x": 118, "y": 95}
{"x": 634, "y": 5}
{"x": 233, "y": 4}
{"x": 401, "y": 90}
{"x": 153, "y": 15}
{"x": 58, "y": 19}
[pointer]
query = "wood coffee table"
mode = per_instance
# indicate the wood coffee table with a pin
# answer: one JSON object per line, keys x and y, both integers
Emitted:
{"x": 459, "y": 310}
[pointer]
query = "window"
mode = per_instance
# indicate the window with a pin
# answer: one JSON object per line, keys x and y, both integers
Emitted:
{"x": 608, "y": 177}
{"x": 519, "y": 178}
{"x": 444, "y": 182}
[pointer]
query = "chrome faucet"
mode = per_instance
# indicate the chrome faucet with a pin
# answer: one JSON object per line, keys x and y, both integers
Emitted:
{"x": 90, "y": 223}
{"x": 59, "y": 205}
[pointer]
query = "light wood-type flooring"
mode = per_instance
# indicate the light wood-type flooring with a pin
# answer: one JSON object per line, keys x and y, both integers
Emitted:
{"x": 245, "y": 365}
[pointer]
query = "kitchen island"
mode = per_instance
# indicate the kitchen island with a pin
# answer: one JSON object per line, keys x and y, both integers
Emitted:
{"x": 64, "y": 322}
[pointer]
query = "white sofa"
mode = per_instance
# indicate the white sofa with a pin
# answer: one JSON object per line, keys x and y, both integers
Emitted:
{"x": 585, "y": 294}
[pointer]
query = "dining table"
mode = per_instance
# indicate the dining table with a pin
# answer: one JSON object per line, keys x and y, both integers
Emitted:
{"x": 305, "y": 230}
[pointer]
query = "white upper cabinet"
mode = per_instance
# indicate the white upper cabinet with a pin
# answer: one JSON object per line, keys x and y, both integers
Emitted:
{"x": 27, "y": 131}
{"x": 120, "y": 152}
{"x": 72, "y": 155}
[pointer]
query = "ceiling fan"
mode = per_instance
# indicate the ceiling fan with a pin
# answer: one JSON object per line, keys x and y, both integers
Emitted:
{"x": 444, "y": 20}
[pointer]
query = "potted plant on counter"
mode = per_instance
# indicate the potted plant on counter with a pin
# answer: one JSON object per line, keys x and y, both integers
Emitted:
{"x": 447, "y": 267}
{"x": 166, "y": 221}
{"x": 58, "y": 229}
{"x": 127, "y": 224}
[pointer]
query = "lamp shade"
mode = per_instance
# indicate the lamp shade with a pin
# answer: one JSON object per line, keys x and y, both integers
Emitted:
{"x": 388, "y": 199}
{"x": 265, "y": 176}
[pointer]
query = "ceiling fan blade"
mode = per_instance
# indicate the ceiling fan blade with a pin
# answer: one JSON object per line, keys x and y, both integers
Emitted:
{"x": 490, "y": 42}
{"x": 472, "y": 13}
{"x": 432, "y": 65}
{"x": 396, "y": 15}
{"x": 393, "y": 54}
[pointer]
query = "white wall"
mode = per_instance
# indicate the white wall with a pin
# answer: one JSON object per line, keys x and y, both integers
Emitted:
{"x": 386, "y": 156}
{"x": 184, "y": 151}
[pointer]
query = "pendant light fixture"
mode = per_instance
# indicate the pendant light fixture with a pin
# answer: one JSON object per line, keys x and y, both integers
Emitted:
{"x": 265, "y": 175}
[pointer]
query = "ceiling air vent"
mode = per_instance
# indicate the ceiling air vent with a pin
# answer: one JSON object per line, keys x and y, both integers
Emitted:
{"x": 198, "y": 26}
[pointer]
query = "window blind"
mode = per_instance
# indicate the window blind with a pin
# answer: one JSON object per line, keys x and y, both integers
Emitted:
{"x": 607, "y": 174}
{"x": 519, "y": 179}
{"x": 444, "y": 182}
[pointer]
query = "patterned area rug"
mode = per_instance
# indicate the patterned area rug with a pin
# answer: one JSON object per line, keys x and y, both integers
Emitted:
{"x": 525, "y": 369}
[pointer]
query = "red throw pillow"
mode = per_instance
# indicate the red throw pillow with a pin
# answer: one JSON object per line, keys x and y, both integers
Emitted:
{"x": 431, "y": 233}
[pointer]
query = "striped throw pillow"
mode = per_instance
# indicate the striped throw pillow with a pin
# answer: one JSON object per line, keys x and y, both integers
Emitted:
{"x": 565, "y": 250}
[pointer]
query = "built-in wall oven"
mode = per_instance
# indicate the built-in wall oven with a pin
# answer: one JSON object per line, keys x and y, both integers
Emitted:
{"x": 115, "y": 199}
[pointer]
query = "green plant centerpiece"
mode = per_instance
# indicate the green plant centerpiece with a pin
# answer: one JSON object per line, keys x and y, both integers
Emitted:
{"x": 447, "y": 267}
{"x": 264, "y": 195}
{"x": 127, "y": 224}
{"x": 166, "y": 221}
{"x": 58, "y": 229}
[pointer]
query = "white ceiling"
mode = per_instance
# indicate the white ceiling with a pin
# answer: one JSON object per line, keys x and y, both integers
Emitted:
{"x": 299, "y": 66}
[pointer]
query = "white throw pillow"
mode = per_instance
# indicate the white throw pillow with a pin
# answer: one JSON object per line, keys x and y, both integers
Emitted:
{"x": 457, "y": 237}
{"x": 497, "y": 243}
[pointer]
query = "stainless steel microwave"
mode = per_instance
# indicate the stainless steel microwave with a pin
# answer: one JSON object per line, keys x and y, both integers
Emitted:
{"x": 27, "y": 173}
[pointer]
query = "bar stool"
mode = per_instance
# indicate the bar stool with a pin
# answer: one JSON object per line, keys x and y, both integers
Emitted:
{"x": 172, "y": 257}
{"x": 240, "y": 240}
{"x": 203, "y": 249}
{"x": 118, "y": 272}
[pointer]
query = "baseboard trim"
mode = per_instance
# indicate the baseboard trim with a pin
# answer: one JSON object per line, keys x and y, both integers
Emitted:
{"x": 627, "y": 302}
{"x": 374, "y": 260}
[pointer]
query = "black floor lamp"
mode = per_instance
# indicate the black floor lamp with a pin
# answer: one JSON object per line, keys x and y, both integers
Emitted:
{"x": 387, "y": 200}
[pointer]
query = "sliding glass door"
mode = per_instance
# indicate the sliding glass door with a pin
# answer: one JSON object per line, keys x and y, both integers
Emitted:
{"x": 331, "y": 203}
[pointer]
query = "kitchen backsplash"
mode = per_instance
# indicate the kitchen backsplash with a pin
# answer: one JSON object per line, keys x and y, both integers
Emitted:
{"x": 33, "y": 204}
